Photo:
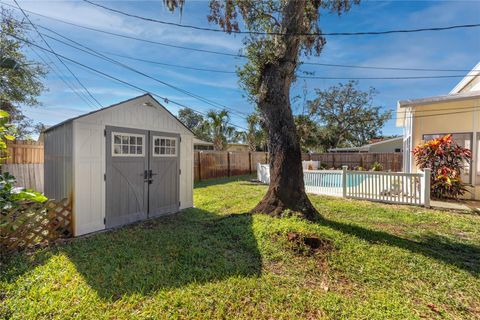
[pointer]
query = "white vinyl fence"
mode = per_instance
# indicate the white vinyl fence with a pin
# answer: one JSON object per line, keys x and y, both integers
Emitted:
{"x": 389, "y": 187}
{"x": 28, "y": 176}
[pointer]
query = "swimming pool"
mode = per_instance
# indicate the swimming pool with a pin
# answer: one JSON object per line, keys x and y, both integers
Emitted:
{"x": 330, "y": 179}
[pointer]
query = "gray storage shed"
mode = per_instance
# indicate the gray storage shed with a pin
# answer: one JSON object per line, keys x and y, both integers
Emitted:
{"x": 120, "y": 164}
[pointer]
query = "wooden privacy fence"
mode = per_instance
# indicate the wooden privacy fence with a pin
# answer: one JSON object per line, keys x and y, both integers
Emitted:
{"x": 25, "y": 161}
{"x": 217, "y": 164}
{"x": 389, "y": 161}
{"x": 24, "y": 152}
{"x": 35, "y": 223}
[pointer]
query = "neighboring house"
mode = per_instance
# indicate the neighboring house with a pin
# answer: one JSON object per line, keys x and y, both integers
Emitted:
{"x": 383, "y": 146}
{"x": 457, "y": 113}
{"x": 200, "y": 145}
{"x": 238, "y": 147}
{"x": 120, "y": 164}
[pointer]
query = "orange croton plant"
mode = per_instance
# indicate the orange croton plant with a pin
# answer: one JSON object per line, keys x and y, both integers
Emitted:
{"x": 446, "y": 159}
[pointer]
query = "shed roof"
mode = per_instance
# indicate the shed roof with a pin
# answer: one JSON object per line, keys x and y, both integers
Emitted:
{"x": 116, "y": 105}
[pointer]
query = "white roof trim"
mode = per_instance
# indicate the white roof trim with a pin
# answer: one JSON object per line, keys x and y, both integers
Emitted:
{"x": 439, "y": 99}
{"x": 475, "y": 72}
{"x": 155, "y": 104}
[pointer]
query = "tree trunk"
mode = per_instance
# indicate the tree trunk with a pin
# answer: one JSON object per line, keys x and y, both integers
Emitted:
{"x": 287, "y": 189}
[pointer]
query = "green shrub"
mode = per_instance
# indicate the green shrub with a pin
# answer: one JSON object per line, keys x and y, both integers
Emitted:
{"x": 9, "y": 195}
{"x": 377, "y": 166}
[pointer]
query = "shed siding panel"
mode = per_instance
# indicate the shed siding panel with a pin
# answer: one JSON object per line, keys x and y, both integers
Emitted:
{"x": 90, "y": 156}
{"x": 89, "y": 183}
{"x": 58, "y": 167}
{"x": 186, "y": 177}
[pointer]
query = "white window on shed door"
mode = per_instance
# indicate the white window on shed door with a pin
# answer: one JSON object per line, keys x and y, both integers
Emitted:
{"x": 128, "y": 144}
{"x": 164, "y": 146}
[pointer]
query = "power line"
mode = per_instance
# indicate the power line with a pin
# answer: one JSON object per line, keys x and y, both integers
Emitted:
{"x": 48, "y": 45}
{"x": 182, "y": 105}
{"x": 102, "y": 56}
{"x": 301, "y": 77}
{"x": 232, "y": 72}
{"x": 55, "y": 69}
{"x": 230, "y": 54}
{"x": 61, "y": 77}
{"x": 169, "y": 64}
{"x": 131, "y": 15}
{"x": 165, "y": 99}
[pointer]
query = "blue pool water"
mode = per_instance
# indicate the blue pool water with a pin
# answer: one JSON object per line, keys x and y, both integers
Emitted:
{"x": 331, "y": 180}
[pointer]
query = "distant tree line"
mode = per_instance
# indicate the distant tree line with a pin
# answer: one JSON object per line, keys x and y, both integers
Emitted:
{"x": 339, "y": 116}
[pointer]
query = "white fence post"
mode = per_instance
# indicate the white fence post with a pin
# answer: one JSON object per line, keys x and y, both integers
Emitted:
{"x": 344, "y": 181}
{"x": 427, "y": 172}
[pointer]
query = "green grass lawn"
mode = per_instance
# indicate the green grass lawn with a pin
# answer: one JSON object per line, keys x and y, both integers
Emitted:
{"x": 215, "y": 261}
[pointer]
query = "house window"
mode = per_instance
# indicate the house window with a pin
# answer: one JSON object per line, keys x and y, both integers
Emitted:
{"x": 464, "y": 140}
{"x": 164, "y": 147}
{"x": 127, "y": 144}
{"x": 398, "y": 150}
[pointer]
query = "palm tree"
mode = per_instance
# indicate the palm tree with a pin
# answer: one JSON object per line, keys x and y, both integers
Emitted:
{"x": 255, "y": 136}
{"x": 218, "y": 125}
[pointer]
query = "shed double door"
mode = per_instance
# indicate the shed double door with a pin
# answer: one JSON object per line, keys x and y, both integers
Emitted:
{"x": 142, "y": 175}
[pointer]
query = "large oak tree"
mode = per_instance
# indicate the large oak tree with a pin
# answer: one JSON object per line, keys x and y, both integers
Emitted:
{"x": 347, "y": 115}
{"x": 281, "y": 31}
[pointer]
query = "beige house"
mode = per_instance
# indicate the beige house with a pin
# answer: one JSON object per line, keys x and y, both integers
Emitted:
{"x": 238, "y": 147}
{"x": 201, "y": 145}
{"x": 384, "y": 146}
{"x": 457, "y": 113}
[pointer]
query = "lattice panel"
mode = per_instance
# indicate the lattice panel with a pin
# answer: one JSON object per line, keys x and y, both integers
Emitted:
{"x": 32, "y": 224}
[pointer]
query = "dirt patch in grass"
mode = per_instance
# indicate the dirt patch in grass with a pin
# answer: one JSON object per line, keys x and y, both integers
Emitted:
{"x": 309, "y": 244}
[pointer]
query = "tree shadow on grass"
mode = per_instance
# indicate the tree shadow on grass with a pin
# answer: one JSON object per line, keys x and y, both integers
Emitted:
{"x": 194, "y": 246}
{"x": 462, "y": 255}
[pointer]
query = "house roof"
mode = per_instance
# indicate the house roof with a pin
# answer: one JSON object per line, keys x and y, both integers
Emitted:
{"x": 116, "y": 105}
{"x": 475, "y": 72}
{"x": 366, "y": 147}
{"x": 444, "y": 98}
{"x": 197, "y": 141}
{"x": 401, "y": 114}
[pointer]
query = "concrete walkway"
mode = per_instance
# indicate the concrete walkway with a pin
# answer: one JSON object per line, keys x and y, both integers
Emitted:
{"x": 461, "y": 205}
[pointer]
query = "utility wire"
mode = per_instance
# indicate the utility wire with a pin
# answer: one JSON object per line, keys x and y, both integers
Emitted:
{"x": 131, "y": 15}
{"x": 59, "y": 74}
{"x": 226, "y": 53}
{"x": 114, "y": 61}
{"x": 105, "y": 75}
{"x": 55, "y": 69}
{"x": 102, "y": 56}
{"x": 48, "y": 45}
{"x": 182, "y": 105}
{"x": 301, "y": 77}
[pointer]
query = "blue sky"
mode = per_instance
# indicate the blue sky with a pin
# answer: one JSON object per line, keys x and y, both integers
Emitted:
{"x": 456, "y": 49}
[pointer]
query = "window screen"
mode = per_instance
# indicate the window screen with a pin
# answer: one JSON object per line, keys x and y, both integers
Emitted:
{"x": 127, "y": 145}
{"x": 164, "y": 146}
